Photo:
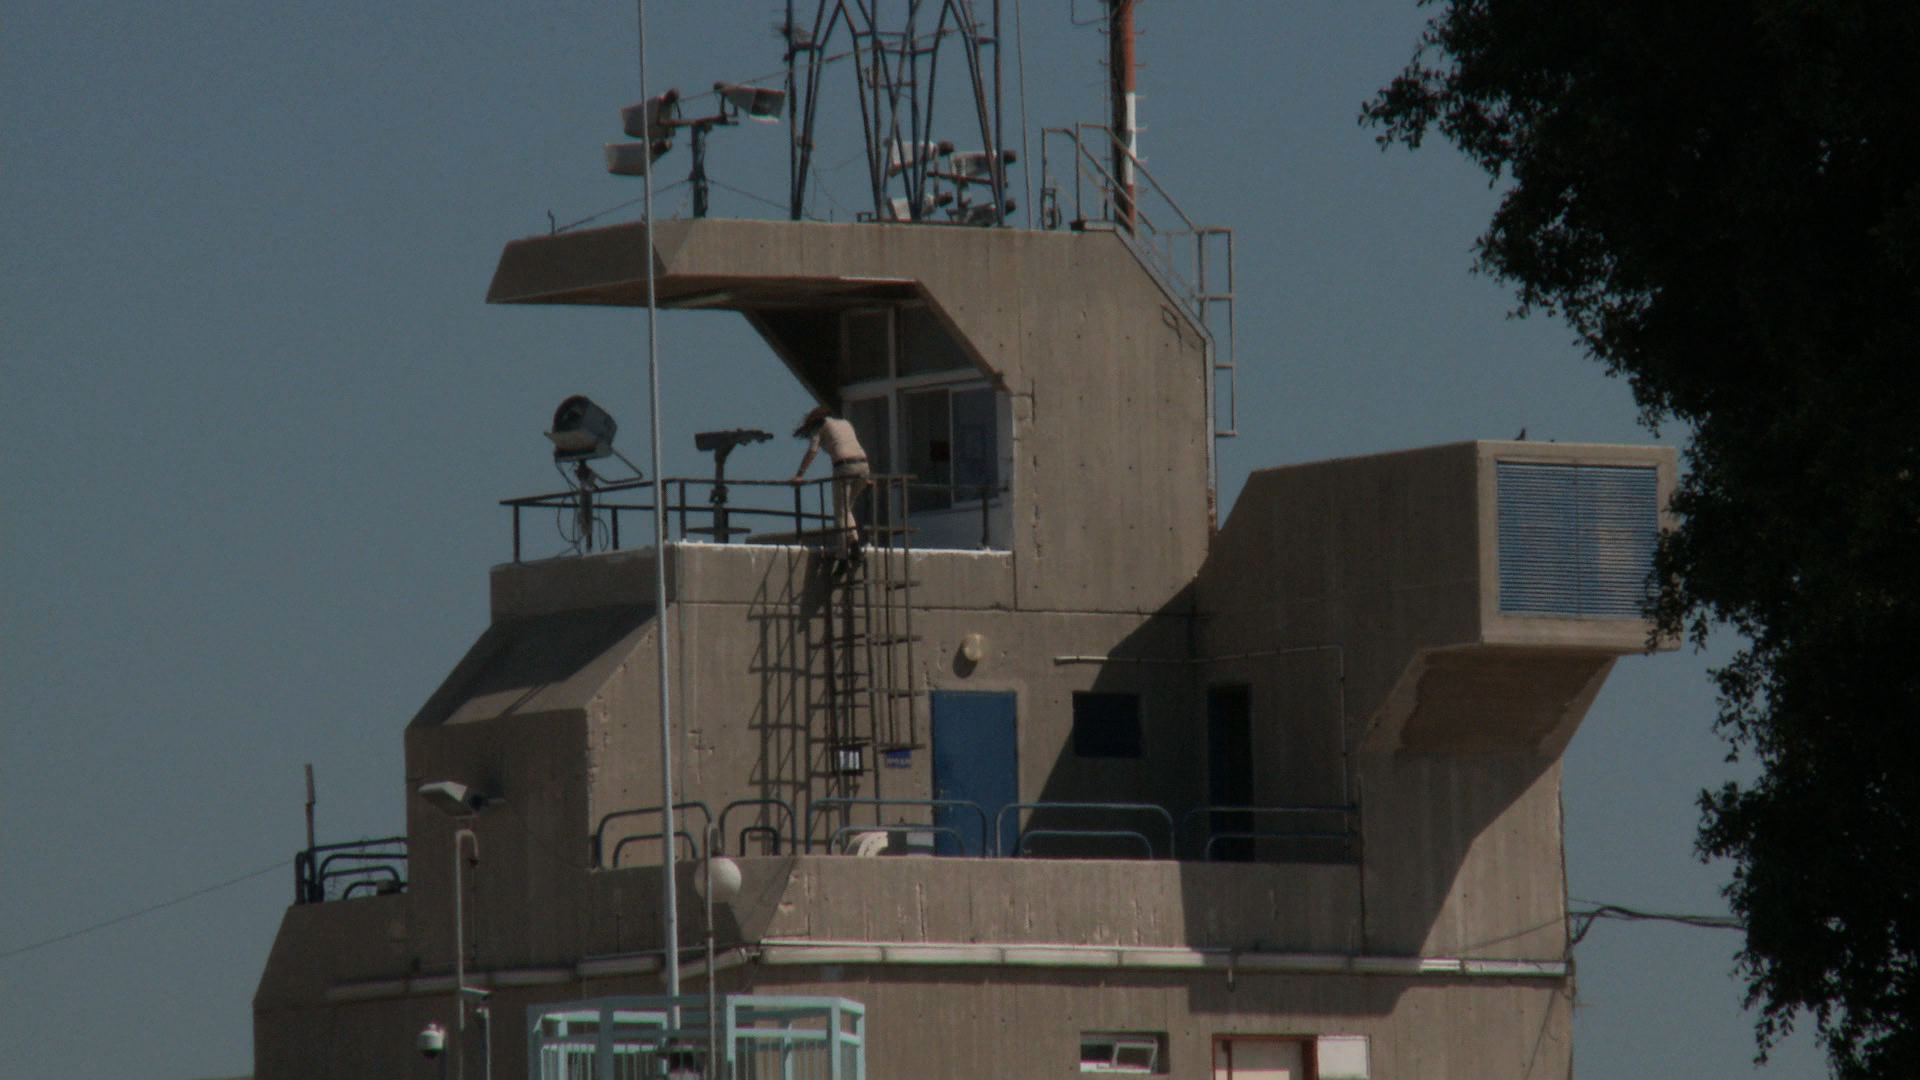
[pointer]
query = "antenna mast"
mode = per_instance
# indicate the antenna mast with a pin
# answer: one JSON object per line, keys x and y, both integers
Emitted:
{"x": 896, "y": 47}
{"x": 1120, "y": 75}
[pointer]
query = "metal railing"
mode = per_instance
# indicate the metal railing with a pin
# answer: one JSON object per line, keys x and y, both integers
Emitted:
{"x": 1236, "y": 834}
{"x": 701, "y": 508}
{"x": 378, "y": 867}
{"x": 1193, "y": 262}
{"x": 939, "y": 807}
{"x": 771, "y": 832}
{"x": 1062, "y": 831}
{"x": 602, "y": 858}
{"x": 736, "y": 1037}
{"x": 1201, "y": 834}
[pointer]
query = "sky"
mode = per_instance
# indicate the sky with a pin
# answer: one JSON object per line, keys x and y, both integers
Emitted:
{"x": 255, "y": 420}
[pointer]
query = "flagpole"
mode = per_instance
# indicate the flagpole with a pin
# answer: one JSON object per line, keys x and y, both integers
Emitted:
{"x": 669, "y": 888}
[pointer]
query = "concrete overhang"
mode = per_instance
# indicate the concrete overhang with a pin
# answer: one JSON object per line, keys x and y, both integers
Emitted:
{"x": 792, "y": 280}
{"x": 1397, "y": 560}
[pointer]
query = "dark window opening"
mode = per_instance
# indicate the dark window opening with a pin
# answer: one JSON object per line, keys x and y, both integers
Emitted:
{"x": 1106, "y": 725}
{"x": 1230, "y": 771}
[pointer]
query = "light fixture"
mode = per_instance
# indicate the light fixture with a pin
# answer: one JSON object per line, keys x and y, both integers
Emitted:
{"x": 850, "y": 760}
{"x": 973, "y": 648}
{"x": 758, "y": 102}
{"x": 582, "y": 431}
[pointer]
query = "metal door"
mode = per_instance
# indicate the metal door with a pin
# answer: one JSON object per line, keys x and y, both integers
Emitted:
{"x": 975, "y": 760}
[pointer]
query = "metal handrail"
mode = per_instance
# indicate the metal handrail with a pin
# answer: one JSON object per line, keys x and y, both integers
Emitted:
{"x": 1346, "y": 833}
{"x": 847, "y": 802}
{"x": 804, "y": 522}
{"x": 693, "y": 846}
{"x": 1096, "y": 834}
{"x": 310, "y": 873}
{"x": 1000, "y": 823}
{"x": 855, "y": 830}
{"x": 793, "y": 822}
{"x": 1152, "y": 238}
{"x": 600, "y": 830}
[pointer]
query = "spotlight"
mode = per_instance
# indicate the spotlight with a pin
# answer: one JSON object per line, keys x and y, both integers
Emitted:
{"x": 582, "y": 431}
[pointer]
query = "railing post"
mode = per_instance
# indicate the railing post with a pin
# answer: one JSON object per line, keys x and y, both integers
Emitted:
{"x": 516, "y": 532}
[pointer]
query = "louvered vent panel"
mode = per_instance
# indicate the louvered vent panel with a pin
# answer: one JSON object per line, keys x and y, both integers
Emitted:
{"x": 1577, "y": 539}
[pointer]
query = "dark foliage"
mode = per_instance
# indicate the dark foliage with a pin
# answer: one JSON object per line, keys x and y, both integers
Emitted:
{"x": 1723, "y": 200}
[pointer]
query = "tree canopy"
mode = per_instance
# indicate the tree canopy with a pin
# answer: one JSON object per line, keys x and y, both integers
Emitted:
{"x": 1723, "y": 200}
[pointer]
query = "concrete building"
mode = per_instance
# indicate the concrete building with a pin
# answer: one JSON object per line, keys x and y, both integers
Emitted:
{"x": 1323, "y": 735}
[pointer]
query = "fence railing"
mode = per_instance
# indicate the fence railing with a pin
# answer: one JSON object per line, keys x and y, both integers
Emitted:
{"x": 1041, "y": 829}
{"x": 734, "y": 1037}
{"x": 598, "y": 517}
{"x": 341, "y": 871}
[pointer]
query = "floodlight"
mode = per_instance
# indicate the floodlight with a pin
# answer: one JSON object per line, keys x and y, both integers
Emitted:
{"x": 901, "y": 155}
{"x": 456, "y": 799}
{"x": 977, "y": 163}
{"x": 581, "y": 431}
{"x": 631, "y": 159}
{"x": 758, "y": 102}
{"x": 652, "y": 119}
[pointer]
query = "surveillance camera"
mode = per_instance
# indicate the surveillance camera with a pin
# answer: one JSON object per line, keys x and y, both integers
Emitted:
{"x": 432, "y": 1040}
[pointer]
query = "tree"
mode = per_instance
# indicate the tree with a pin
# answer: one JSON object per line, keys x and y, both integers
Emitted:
{"x": 1723, "y": 201}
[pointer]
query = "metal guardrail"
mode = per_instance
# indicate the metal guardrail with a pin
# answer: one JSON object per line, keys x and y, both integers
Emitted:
{"x": 736, "y": 1037}
{"x": 844, "y": 804}
{"x": 1201, "y": 833}
{"x": 1061, "y": 831}
{"x": 375, "y": 866}
{"x": 600, "y": 831}
{"x": 1252, "y": 836}
{"x": 770, "y": 831}
{"x": 598, "y": 524}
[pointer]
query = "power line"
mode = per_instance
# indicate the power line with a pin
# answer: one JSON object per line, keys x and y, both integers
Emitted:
{"x": 1582, "y": 921}
{"x": 115, "y": 921}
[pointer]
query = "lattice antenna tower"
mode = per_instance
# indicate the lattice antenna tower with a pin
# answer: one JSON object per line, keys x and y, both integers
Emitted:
{"x": 905, "y": 54}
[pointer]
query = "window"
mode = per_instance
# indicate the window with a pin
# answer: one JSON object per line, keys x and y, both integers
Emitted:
{"x": 951, "y": 441}
{"x": 1106, "y": 725}
{"x": 1123, "y": 1051}
{"x": 1577, "y": 540}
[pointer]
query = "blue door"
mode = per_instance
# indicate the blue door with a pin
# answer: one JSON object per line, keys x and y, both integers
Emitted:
{"x": 976, "y": 760}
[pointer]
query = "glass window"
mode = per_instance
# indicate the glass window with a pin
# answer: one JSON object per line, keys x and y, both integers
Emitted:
{"x": 976, "y": 443}
{"x": 1106, "y": 725}
{"x": 1123, "y": 1051}
{"x": 927, "y": 439}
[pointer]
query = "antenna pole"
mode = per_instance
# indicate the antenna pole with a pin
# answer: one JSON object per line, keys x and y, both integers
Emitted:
{"x": 1120, "y": 72}
{"x": 310, "y": 806}
{"x": 669, "y": 886}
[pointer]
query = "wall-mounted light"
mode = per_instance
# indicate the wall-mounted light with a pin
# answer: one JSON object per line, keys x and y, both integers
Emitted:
{"x": 973, "y": 648}
{"x": 850, "y": 760}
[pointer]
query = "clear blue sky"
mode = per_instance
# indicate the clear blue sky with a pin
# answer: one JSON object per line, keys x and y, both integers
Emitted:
{"x": 254, "y": 418}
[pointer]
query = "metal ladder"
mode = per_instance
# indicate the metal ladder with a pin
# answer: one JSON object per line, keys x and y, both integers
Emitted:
{"x": 873, "y": 702}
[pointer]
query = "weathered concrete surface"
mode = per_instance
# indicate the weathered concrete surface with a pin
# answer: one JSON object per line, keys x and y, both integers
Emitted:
{"x": 1108, "y": 376}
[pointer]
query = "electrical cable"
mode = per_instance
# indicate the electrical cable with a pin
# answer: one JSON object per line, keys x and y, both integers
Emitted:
{"x": 1582, "y": 921}
{"x": 557, "y": 230}
{"x": 117, "y": 920}
{"x": 748, "y": 194}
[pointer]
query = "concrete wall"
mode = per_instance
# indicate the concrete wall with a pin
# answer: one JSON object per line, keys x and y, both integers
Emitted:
{"x": 1109, "y": 378}
{"x": 350, "y": 1016}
